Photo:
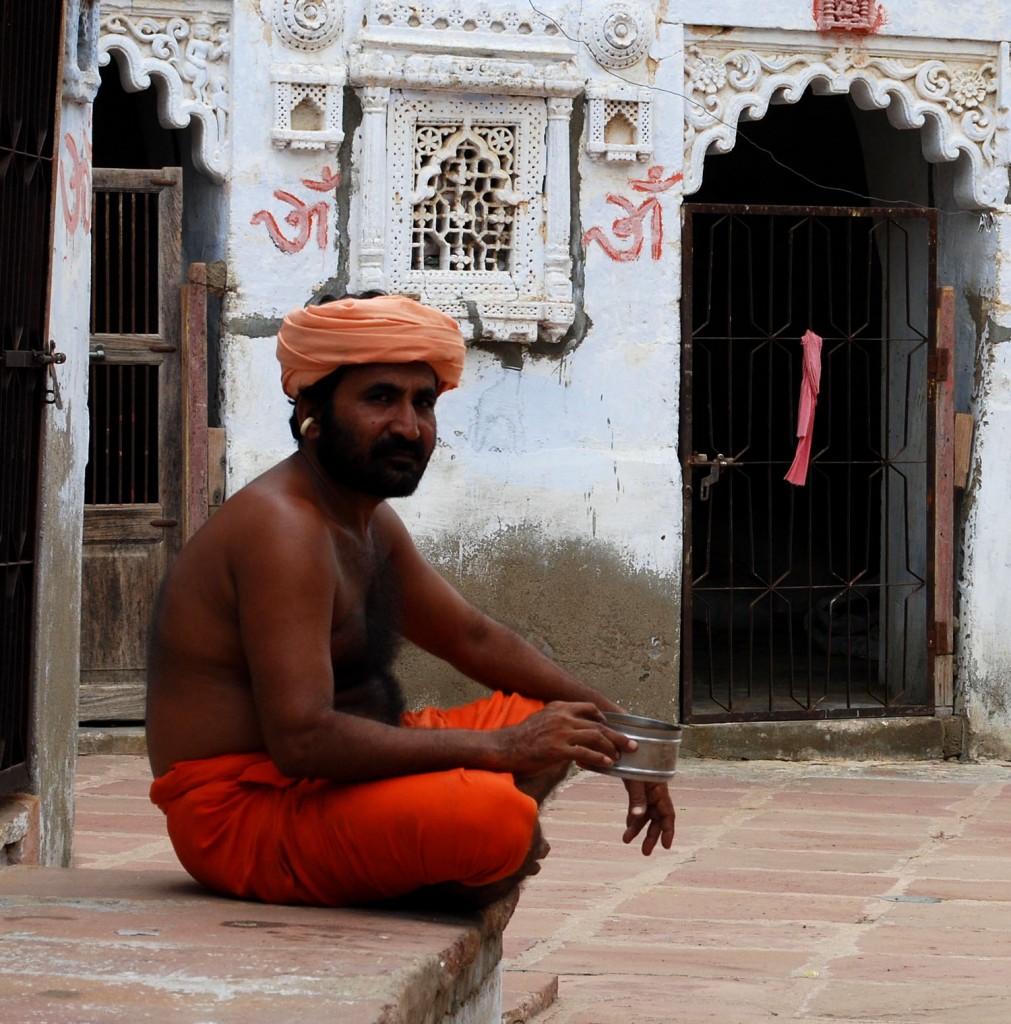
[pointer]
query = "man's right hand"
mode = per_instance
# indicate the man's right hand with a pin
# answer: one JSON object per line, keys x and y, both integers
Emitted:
{"x": 562, "y": 732}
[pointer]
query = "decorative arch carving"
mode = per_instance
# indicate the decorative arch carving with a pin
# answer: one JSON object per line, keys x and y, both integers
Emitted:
{"x": 187, "y": 56}
{"x": 958, "y": 97}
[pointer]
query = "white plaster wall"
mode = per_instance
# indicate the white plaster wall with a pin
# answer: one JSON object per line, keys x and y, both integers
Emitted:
{"x": 984, "y": 652}
{"x": 937, "y": 19}
{"x": 581, "y": 447}
{"x": 585, "y": 447}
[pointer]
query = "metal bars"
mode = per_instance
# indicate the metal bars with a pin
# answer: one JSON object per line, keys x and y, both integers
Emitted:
{"x": 806, "y": 601}
{"x": 123, "y": 447}
{"x": 29, "y": 70}
{"x": 124, "y": 296}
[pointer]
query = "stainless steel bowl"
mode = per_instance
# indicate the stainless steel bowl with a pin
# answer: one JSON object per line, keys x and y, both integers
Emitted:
{"x": 656, "y": 757}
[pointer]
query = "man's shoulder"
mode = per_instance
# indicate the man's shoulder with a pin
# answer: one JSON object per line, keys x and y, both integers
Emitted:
{"x": 276, "y": 501}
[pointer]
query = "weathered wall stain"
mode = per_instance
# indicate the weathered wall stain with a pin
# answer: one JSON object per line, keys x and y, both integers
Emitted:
{"x": 579, "y": 603}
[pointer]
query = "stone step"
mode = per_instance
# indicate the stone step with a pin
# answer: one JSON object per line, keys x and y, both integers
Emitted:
{"x": 526, "y": 994}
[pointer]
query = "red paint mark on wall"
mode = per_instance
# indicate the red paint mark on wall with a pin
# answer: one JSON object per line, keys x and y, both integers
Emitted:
{"x": 860, "y": 16}
{"x": 302, "y": 216}
{"x": 75, "y": 187}
{"x": 631, "y": 227}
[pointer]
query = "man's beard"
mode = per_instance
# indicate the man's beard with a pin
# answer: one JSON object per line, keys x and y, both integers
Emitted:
{"x": 369, "y": 471}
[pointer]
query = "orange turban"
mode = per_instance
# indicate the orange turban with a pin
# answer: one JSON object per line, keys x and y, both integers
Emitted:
{"x": 316, "y": 340}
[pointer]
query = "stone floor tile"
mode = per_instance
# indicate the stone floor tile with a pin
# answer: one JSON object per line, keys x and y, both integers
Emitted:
{"x": 744, "y": 906}
{"x": 811, "y": 841}
{"x": 940, "y": 1002}
{"x": 836, "y": 883}
{"x": 960, "y": 889}
{"x": 112, "y": 822}
{"x": 670, "y": 960}
{"x": 703, "y": 933}
{"x": 908, "y": 968}
{"x": 928, "y": 939}
{"x": 525, "y": 994}
{"x": 845, "y": 861}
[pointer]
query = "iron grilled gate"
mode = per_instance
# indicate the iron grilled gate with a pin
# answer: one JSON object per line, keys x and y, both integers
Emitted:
{"x": 807, "y": 601}
{"x": 29, "y": 70}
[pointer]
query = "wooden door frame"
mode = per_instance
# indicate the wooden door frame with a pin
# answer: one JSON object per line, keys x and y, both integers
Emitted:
{"x": 160, "y": 522}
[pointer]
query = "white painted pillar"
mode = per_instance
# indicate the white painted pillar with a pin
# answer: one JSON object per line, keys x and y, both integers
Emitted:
{"x": 374, "y": 199}
{"x": 557, "y": 261}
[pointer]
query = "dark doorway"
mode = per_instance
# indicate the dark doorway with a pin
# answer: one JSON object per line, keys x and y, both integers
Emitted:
{"x": 133, "y": 486}
{"x": 806, "y": 601}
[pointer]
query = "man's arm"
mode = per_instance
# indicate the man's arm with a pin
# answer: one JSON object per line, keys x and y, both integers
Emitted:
{"x": 440, "y": 620}
{"x": 300, "y": 607}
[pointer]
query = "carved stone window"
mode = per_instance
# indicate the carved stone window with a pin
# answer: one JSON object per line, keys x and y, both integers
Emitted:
{"x": 464, "y": 203}
{"x": 471, "y": 199}
{"x": 467, "y": 181}
{"x": 464, "y": 145}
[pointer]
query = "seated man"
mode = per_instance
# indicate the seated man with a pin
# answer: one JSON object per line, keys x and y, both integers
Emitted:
{"x": 284, "y": 759}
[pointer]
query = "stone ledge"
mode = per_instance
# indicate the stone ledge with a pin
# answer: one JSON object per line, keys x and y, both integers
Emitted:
{"x": 852, "y": 739}
{"x": 153, "y": 946}
{"x": 119, "y": 739}
{"x": 19, "y": 830}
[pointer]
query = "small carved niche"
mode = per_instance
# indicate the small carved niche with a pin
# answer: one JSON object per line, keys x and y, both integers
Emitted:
{"x": 308, "y": 108}
{"x": 620, "y": 123}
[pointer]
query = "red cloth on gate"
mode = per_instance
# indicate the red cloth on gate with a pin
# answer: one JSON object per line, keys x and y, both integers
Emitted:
{"x": 241, "y": 827}
{"x": 810, "y": 384}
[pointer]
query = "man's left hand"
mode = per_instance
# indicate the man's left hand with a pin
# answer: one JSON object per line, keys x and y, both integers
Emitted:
{"x": 649, "y": 803}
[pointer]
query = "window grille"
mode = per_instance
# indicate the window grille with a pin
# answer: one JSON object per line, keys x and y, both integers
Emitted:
{"x": 465, "y": 197}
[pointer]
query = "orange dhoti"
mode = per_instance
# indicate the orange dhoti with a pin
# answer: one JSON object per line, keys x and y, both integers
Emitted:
{"x": 241, "y": 827}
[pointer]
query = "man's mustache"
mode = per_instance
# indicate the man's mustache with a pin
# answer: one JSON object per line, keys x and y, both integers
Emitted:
{"x": 394, "y": 445}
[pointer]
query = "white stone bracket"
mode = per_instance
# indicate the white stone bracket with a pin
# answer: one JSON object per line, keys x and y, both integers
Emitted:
{"x": 958, "y": 93}
{"x": 81, "y": 77}
{"x": 188, "y": 54}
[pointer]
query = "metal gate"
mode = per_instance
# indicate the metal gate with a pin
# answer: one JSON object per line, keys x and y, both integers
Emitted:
{"x": 29, "y": 75}
{"x": 812, "y": 600}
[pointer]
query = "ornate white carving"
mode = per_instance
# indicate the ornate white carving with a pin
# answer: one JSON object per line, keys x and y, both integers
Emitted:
{"x": 307, "y": 25}
{"x": 191, "y": 58}
{"x": 557, "y": 180}
{"x": 489, "y": 75}
{"x": 80, "y": 51}
{"x": 470, "y": 187}
{"x": 620, "y": 122}
{"x": 494, "y": 23}
{"x": 619, "y": 35}
{"x": 376, "y": 206}
{"x": 848, "y": 15}
{"x": 496, "y": 47}
{"x": 308, "y": 107}
{"x": 960, "y": 99}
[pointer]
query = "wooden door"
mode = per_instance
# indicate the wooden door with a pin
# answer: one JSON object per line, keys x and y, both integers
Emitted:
{"x": 133, "y": 488}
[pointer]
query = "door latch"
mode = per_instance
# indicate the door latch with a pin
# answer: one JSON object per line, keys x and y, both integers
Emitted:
{"x": 33, "y": 359}
{"x": 715, "y": 466}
